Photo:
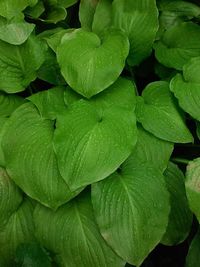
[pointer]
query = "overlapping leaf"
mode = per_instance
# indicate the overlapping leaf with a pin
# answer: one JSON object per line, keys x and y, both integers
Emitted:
{"x": 186, "y": 88}
{"x": 180, "y": 218}
{"x": 139, "y": 19}
{"x": 15, "y": 31}
{"x": 92, "y": 138}
{"x": 131, "y": 208}
{"x": 11, "y": 197}
{"x": 30, "y": 159}
{"x": 151, "y": 149}
{"x": 19, "y": 229}
{"x": 159, "y": 114}
{"x": 18, "y": 64}
{"x": 83, "y": 58}
{"x": 178, "y": 45}
{"x": 193, "y": 257}
{"x": 11, "y": 8}
{"x": 193, "y": 186}
{"x": 74, "y": 235}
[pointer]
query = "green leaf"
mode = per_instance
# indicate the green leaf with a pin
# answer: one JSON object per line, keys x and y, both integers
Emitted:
{"x": 151, "y": 149}
{"x": 35, "y": 11}
{"x": 50, "y": 70}
{"x": 11, "y": 197}
{"x": 19, "y": 64}
{"x": 180, "y": 217}
{"x": 30, "y": 159}
{"x": 84, "y": 58}
{"x": 186, "y": 88}
{"x": 19, "y": 229}
{"x": 11, "y": 8}
{"x": 139, "y": 19}
{"x": 86, "y": 13}
{"x": 102, "y": 16}
{"x": 15, "y": 31}
{"x": 131, "y": 208}
{"x": 8, "y": 103}
{"x": 175, "y": 12}
{"x": 67, "y": 3}
{"x": 2, "y": 123}
{"x": 92, "y": 139}
{"x": 50, "y": 103}
{"x": 74, "y": 235}
{"x": 178, "y": 45}
{"x": 192, "y": 185}
{"x": 55, "y": 14}
{"x": 54, "y": 39}
{"x": 31, "y": 254}
{"x": 193, "y": 257}
{"x": 159, "y": 114}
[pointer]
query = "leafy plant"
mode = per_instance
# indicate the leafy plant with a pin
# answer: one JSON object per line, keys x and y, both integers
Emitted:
{"x": 99, "y": 133}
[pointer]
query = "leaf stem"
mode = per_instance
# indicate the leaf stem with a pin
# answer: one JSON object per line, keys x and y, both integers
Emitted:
{"x": 180, "y": 160}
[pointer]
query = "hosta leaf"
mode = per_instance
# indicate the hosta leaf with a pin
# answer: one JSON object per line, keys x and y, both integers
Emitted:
{"x": 35, "y": 11}
{"x": 178, "y": 45}
{"x": 193, "y": 257}
{"x": 175, "y": 12}
{"x": 11, "y": 8}
{"x": 180, "y": 217}
{"x": 2, "y": 123}
{"x": 90, "y": 144}
{"x": 186, "y": 88}
{"x": 151, "y": 149}
{"x": 50, "y": 70}
{"x": 54, "y": 40}
{"x": 73, "y": 229}
{"x": 86, "y": 13}
{"x": 18, "y": 64}
{"x": 139, "y": 19}
{"x": 31, "y": 254}
{"x": 15, "y": 31}
{"x": 50, "y": 102}
{"x": 55, "y": 14}
{"x": 139, "y": 193}
{"x": 27, "y": 143}
{"x": 84, "y": 58}
{"x": 67, "y": 3}
{"x": 102, "y": 16}
{"x": 193, "y": 186}
{"x": 160, "y": 115}
{"x": 10, "y": 199}
{"x": 19, "y": 229}
{"x": 8, "y": 103}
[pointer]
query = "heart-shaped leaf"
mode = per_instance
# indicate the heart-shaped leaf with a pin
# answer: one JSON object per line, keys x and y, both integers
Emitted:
{"x": 186, "y": 88}
{"x": 131, "y": 206}
{"x": 159, "y": 114}
{"x": 30, "y": 159}
{"x": 73, "y": 229}
{"x": 92, "y": 138}
{"x": 90, "y": 65}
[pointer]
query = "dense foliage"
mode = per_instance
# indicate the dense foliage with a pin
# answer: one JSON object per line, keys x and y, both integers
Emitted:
{"x": 99, "y": 133}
